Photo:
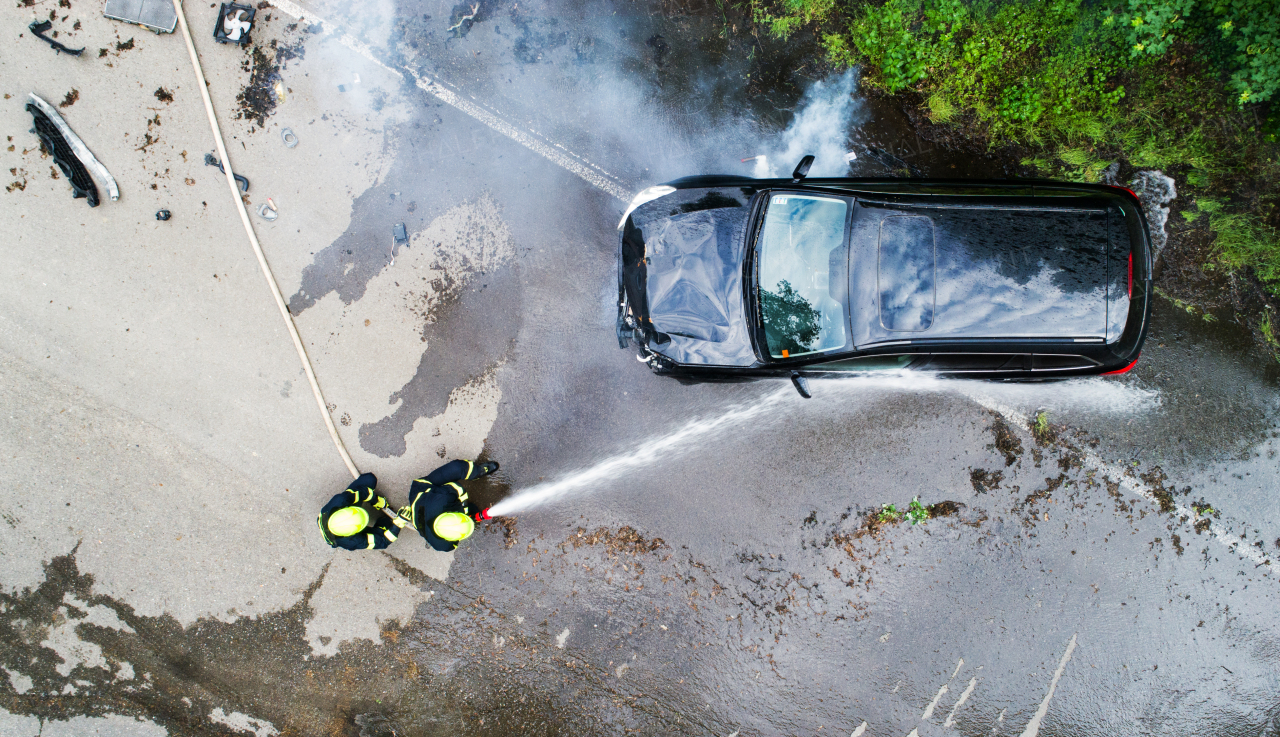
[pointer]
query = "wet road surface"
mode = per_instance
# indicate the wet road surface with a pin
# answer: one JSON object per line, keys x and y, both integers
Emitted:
{"x": 1112, "y": 569}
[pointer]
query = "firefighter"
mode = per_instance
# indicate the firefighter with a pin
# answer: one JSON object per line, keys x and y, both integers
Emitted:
{"x": 438, "y": 505}
{"x": 344, "y": 521}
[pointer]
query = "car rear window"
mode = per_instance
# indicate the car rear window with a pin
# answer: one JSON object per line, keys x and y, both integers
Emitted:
{"x": 906, "y": 273}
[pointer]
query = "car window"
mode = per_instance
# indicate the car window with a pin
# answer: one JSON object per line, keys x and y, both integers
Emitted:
{"x": 865, "y": 363}
{"x": 802, "y": 237}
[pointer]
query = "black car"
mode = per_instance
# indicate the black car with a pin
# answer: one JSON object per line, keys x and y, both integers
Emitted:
{"x": 722, "y": 277}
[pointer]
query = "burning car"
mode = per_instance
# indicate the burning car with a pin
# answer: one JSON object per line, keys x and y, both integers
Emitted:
{"x": 731, "y": 277}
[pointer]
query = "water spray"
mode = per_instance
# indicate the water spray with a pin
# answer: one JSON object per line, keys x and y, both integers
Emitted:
{"x": 1100, "y": 395}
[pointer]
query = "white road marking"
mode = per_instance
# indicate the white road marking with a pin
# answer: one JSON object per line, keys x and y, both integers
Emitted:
{"x": 928, "y": 711}
{"x": 999, "y": 721}
{"x": 1033, "y": 726}
{"x": 1137, "y": 487}
{"x": 553, "y": 152}
{"x": 858, "y": 732}
{"x": 950, "y": 720}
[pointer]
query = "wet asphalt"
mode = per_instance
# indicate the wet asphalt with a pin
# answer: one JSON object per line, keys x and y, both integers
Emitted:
{"x": 739, "y": 583}
{"x": 733, "y": 585}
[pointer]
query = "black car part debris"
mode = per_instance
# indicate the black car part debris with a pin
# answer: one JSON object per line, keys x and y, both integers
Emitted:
{"x": 69, "y": 152}
{"x": 38, "y": 28}
{"x": 163, "y": 215}
{"x": 801, "y": 384}
{"x": 399, "y": 233}
{"x": 156, "y": 15}
{"x": 211, "y": 160}
{"x": 234, "y": 23}
{"x": 289, "y": 137}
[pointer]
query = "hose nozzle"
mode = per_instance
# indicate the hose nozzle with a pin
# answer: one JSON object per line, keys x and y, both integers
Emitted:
{"x": 482, "y": 515}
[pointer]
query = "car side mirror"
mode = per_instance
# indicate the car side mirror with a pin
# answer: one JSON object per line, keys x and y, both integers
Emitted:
{"x": 802, "y": 169}
{"x": 800, "y": 383}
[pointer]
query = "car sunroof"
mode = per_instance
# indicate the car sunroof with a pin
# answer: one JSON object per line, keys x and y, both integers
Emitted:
{"x": 906, "y": 273}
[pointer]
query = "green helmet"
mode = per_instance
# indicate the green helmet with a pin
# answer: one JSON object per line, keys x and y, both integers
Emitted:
{"x": 453, "y": 526}
{"x": 348, "y": 521}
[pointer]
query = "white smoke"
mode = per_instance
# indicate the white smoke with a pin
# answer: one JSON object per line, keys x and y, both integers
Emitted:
{"x": 821, "y": 127}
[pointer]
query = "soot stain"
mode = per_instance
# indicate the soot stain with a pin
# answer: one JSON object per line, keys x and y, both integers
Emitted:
{"x": 258, "y": 99}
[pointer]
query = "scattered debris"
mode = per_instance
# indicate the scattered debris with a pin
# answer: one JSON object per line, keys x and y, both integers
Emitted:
{"x": 156, "y": 15}
{"x": 163, "y": 95}
{"x": 70, "y": 99}
{"x": 625, "y": 540}
{"x": 69, "y": 152}
{"x": 38, "y": 28}
{"x": 984, "y": 480}
{"x": 343, "y": 87}
{"x": 124, "y": 45}
{"x": 399, "y": 233}
{"x": 234, "y": 23}
{"x": 211, "y": 160}
{"x": 163, "y": 215}
{"x": 290, "y": 139}
{"x": 850, "y": 157}
{"x": 268, "y": 211}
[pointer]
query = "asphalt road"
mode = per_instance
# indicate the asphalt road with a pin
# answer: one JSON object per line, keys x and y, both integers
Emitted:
{"x": 1111, "y": 571}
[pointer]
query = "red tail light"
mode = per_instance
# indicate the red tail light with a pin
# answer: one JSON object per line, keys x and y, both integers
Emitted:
{"x": 1130, "y": 191}
{"x": 1124, "y": 370}
{"x": 1131, "y": 275}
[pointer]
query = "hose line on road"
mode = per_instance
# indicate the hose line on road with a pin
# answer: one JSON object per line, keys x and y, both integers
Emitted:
{"x": 257, "y": 247}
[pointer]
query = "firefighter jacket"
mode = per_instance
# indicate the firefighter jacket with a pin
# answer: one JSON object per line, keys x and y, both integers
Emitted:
{"x": 439, "y": 492}
{"x": 380, "y": 532}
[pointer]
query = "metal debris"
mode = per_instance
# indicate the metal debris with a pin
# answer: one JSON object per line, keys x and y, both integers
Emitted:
{"x": 157, "y": 15}
{"x": 289, "y": 137}
{"x": 39, "y": 27}
{"x": 234, "y": 23}
{"x": 163, "y": 215}
{"x": 69, "y": 152}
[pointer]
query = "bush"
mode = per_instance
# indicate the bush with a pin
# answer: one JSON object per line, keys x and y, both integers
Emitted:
{"x": 1241, "y": 38}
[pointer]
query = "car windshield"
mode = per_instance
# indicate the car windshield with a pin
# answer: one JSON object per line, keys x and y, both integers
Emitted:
{"x": 801, "y": 252}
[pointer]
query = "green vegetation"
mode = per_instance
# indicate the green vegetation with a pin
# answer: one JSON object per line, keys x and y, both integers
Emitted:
{"x": 1191, "y": 87}
{"x": 888, "y": 513}
{"x": 1040, "y": 428}
{"x": 1203, "y": 509}
{"x": 1268, "y": 332}
{"x": 916, "y": 512}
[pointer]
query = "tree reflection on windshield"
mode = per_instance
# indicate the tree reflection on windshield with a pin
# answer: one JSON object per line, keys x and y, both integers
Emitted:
{"x": 791, "y": 323}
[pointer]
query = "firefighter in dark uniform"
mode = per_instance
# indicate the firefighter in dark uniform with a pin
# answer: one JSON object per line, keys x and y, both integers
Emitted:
{"x": 345, "y": 523}
{"x": 438, "y": 505}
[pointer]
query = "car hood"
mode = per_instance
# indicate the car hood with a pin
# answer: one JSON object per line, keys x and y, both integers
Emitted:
{"x": 691, "y": 275}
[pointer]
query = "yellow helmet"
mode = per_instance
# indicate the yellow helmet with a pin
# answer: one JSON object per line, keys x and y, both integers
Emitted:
{"x": 348, "y": 521}
{"x": 453, "y": 526}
